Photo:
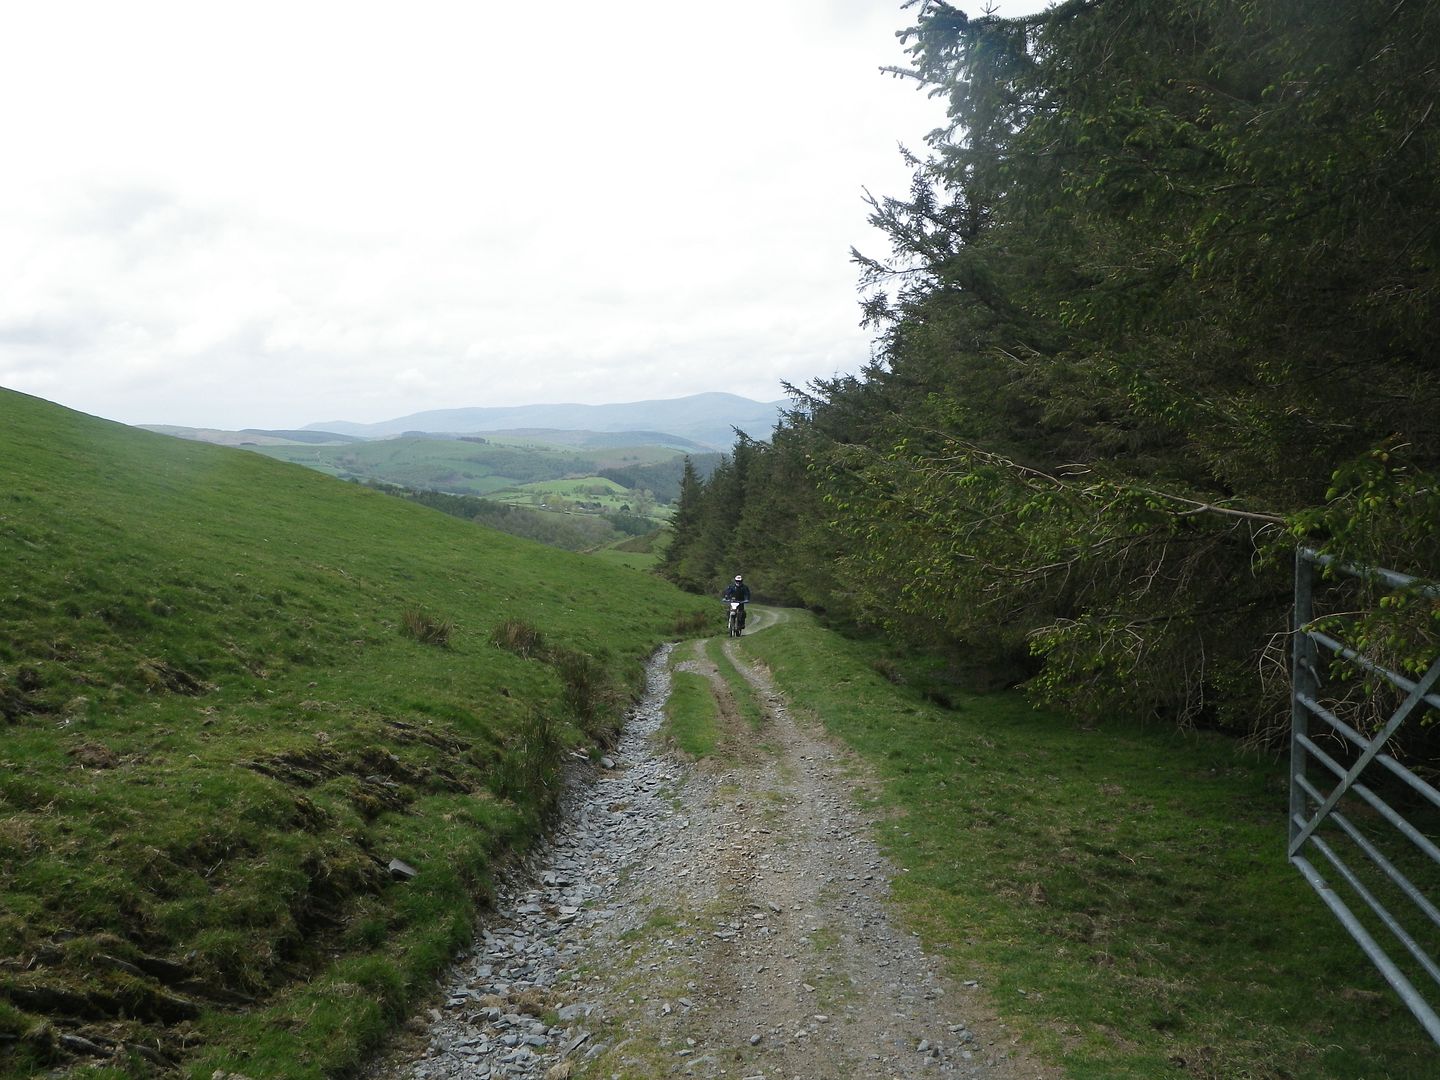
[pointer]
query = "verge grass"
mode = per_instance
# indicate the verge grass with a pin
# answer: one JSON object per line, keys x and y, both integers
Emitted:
{"x": 697, "y": 719}
{"x": 1121, "y": 893}
{"x": 245, "y": 814}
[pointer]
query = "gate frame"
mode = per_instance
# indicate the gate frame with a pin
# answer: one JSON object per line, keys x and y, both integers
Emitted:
{"x": 1310, "y": 806}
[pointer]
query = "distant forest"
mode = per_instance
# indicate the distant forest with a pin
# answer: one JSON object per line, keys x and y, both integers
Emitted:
{"x": 1161, "y": 303}
{"x": 662, "y": 479}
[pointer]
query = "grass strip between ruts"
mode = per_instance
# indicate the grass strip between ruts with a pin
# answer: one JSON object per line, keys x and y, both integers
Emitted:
{"x": 691, "y": 714}
{"x": 744, "y": 694}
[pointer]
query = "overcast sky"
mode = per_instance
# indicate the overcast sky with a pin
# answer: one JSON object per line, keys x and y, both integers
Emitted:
{"x": 269, "y": 214}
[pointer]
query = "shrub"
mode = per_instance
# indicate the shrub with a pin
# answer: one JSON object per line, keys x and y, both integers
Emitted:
{"x": 887, "y": 670}
{"x": 585, "y": 689}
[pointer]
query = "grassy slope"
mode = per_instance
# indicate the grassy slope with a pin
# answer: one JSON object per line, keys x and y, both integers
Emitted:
{"x": 216, "y": 736}
{"x": 1123, "y": 894}
{"x": 637, "y": 552}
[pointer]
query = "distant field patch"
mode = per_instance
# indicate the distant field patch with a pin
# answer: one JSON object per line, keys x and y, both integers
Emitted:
{"x": 590, "y": 494}
{"x": 638, "y": 552}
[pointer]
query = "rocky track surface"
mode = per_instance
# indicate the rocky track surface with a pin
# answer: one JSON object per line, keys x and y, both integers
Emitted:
{"x": 721, "y": 919}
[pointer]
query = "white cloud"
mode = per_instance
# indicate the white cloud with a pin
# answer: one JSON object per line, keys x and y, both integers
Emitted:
{"x": 274, "y": 213}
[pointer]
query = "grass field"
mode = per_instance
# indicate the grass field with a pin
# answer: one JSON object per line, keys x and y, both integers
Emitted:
{"x": 469, "y": 468}
{"x": 1121, "y": 893}
{"x": 591, "y": 493}
{"x": 234, "y": 693}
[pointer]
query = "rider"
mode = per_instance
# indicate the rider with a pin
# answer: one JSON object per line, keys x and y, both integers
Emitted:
{"x": 738, "y": 590}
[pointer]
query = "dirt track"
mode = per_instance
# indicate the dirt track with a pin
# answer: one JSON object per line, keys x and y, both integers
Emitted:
{"x": 734, "y": 923}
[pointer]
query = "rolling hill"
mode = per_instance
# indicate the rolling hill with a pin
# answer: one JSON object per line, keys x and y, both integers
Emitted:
{"x": 708, "y": 419}
{"x": 470, "y": 466}
{"x": 538, "y": 475}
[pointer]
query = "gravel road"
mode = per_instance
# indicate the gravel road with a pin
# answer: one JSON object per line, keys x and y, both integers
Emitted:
{"x": 726, "y": 918}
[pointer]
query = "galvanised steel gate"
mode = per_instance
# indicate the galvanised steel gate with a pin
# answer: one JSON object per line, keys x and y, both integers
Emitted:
{"x": 1363, "y": 800}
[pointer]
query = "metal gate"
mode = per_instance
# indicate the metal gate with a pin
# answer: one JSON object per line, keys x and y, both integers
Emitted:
{"x": 1337, "y": 811}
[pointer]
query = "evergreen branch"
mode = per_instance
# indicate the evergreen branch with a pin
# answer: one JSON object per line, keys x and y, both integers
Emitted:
{"x": 1076, "y": 468}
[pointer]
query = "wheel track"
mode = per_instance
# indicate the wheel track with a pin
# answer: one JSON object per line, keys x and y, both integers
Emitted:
{"x": 734, "y": 905}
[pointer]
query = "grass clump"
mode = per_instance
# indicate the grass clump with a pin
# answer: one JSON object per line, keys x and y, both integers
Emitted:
{"x": 519, "y": 637}
{"x": 691, "y": 624}
{"x": 1121, "y": 893}
{"x": 533, "y": 761}
{"x": 586, "y": 691}
{"x": 426, "y": 628}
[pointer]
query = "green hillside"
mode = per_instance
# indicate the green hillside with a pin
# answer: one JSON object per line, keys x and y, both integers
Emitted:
{"x": 480, "y": 465}
{"x": 232, "y": 692}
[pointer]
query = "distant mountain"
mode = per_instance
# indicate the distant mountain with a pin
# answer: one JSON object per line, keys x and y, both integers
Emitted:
{"x": 707, "y": 419}
{"x": 250, "y": 436}
{"x": 602, "y": 440}
{"x": 306, "y": 436}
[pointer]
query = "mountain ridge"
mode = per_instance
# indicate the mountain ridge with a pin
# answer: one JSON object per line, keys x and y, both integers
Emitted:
{"x": 709, "y": 419}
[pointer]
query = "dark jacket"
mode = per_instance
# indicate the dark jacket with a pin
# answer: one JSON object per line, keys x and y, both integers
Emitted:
{"x": 739, "y": 592}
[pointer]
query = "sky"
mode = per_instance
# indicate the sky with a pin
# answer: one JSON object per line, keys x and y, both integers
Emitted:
{"x": 273, "y": 214}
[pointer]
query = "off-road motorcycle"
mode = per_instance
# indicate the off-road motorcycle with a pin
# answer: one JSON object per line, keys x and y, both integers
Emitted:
{"x": 736, "y": 621}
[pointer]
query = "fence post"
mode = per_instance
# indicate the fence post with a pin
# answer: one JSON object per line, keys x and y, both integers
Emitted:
{"x": 1304, "y": 681}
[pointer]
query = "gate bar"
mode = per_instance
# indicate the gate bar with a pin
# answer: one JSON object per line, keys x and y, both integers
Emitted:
{"x": 1420, "y": 786}
{"x": 1392, "y": 578}
{"x": 1306, "y": 681}
{"x": 1391, "y": 923}
{"x": 1369, "y": 665}
{"x": 1393, "y": 872}
{"x": 1393, "y": 975}
{"x": 1378, "y": 858}
{"x": 1401, "y": 714}
{"x": 1414, "y": 835}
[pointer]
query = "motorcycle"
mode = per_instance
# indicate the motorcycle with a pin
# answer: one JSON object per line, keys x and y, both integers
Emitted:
{"x": 736, "y": 621}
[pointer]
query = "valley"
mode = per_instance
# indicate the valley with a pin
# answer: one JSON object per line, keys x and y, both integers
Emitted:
{"x": 617, "y": 479}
